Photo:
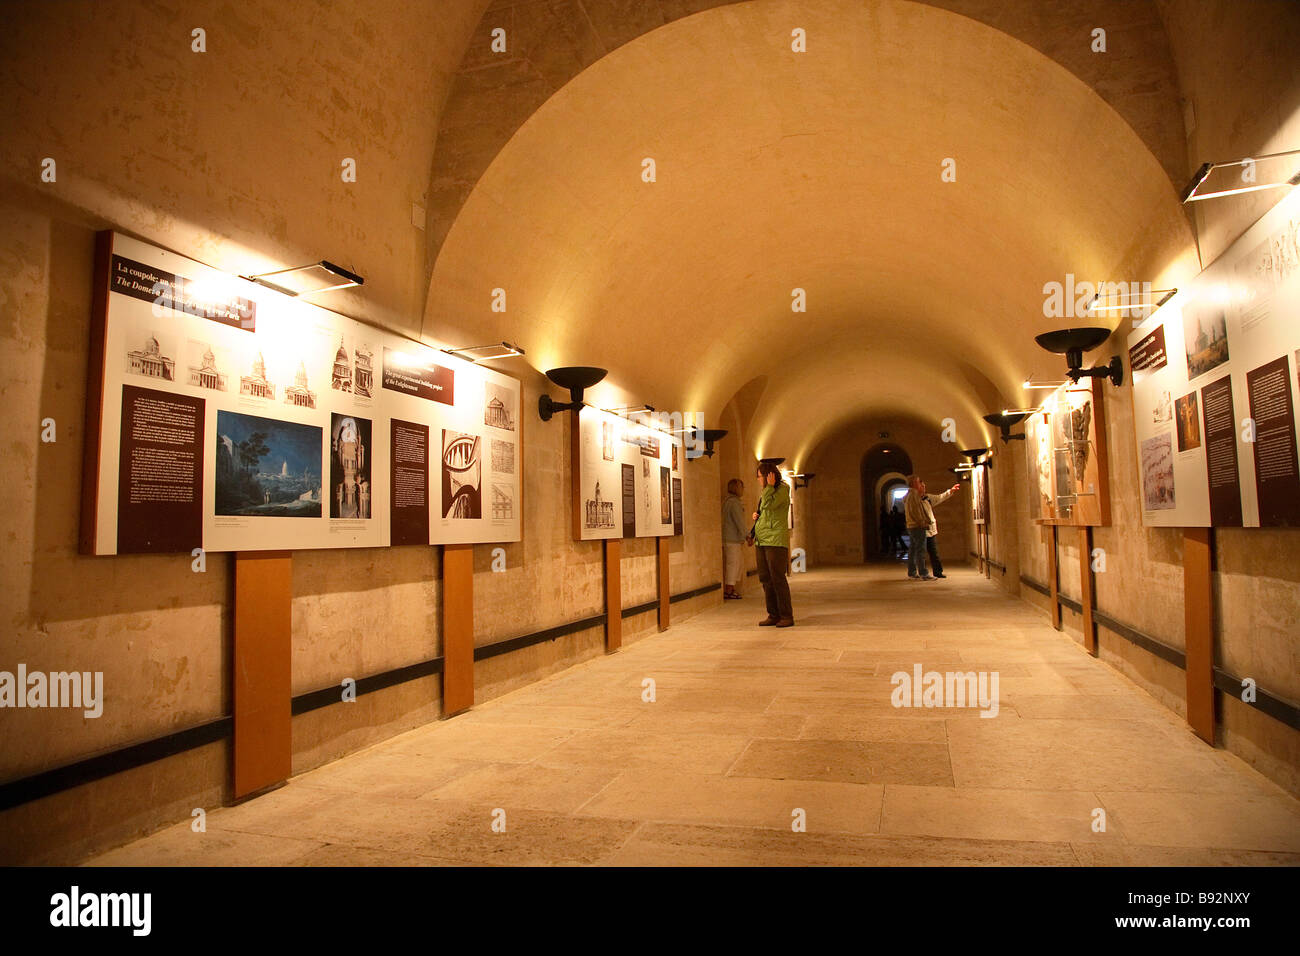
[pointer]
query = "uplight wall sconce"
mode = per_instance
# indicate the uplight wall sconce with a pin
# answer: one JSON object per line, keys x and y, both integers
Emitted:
{"x": 710, "y": 436}
{"x": 772, "y": 461}
{"x": 974, "y": 454}
{"x": 1190, "y": 192}
{"x": 483, "y": 353}
{"x": 1005, "y": 421}
{"x": 323, "y": 276}
{"x": 577, "y": 379}
{"x": 1072, "y": 343}
{"x": 805, "y": 478}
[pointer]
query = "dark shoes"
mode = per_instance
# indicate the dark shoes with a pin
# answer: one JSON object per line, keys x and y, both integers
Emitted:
{"x": 941, "y": 575}
{"x": 785, "y": 622}
{"x": 768, "y": 621}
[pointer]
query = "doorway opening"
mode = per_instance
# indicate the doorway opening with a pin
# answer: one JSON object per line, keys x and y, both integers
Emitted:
{"x": 885, "y": 468}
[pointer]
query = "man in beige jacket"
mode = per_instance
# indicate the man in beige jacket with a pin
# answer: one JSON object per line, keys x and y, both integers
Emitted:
{"x": 922, "y": 528}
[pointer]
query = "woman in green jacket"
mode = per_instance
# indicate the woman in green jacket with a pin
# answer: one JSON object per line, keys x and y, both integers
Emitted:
{"x": 772, "y": 535}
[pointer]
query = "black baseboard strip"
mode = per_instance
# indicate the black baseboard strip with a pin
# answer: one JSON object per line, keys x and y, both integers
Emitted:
{"x": 640, "y": 609}
{"x": 316, "y": 699}
{"x": 50, "y": 782}
{"x": 1279, "y": 708}
{"x": 487, "y": 651}
{"x": 1276, "y": 707}
{"x": 1000, "y": 567}
{"x": 687, "y": 595}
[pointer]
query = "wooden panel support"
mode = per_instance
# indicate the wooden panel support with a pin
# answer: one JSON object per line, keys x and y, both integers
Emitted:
{"x": 1088, "y": 600}
{"x": 663, "y": 583}
{"x": 1198, "y": 609}
{"x": 613, "y": 595}
{"x": 457, "y": 628}
{"x": 261, "y": 673}
{"x": 1053, "y": 574}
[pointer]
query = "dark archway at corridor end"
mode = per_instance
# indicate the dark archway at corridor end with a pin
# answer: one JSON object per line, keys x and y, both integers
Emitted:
{"x": 881, "y": 466}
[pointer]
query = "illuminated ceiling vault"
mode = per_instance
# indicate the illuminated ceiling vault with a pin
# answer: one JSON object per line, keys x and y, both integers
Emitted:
{"x": 818, "y": 171}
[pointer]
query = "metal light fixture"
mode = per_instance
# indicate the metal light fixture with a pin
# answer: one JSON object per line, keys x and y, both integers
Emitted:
{"x": 576, "y": 378}
{"x": 962, "y": 472}
{"x": 710, "y": 435}
{"x": 1096, "y": 303}
{"x": 772, "y": 461}
{"x": 1005, "y": 421}
{"x": 1190, "y": 194}
{"x": 494, "y": 351}
{"x": 1072, "y": 343}
{"x": 323, "y": 276}
{"x": 805, "y": 478}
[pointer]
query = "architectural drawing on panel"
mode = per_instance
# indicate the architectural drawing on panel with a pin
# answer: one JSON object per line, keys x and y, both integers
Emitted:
{"x": 257, "y": 385}
{"x": 599, "y": 512}
{"x": 498, "y": 406}
{"x": 341, "y": 377}
{"x": 150, "y": 361}
{"x": 503, "y": 502}
{"x": 298, "y": 393}
{"x": 503, "y": 457}
{"x": 206, "y": 374}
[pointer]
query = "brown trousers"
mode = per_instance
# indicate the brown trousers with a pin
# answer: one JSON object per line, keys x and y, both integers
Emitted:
{"x": 773, "y": 563}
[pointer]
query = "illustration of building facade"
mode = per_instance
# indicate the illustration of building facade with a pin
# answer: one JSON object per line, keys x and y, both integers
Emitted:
{"x": 341, "y": 378}
{"x": 256, "y": 385}
{"x": 497, "y": 415}
{"x": 363, "y": 374}
{"x": 206, "y": 374}
{"x": 150, "y": 361}
{"x": 298, "y": 393}
{"x": 600, "y": 513}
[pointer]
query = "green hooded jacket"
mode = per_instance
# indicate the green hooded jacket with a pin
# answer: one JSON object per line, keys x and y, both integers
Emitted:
{"x": 772, "y": 528}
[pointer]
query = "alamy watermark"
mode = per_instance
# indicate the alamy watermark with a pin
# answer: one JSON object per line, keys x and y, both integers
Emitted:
{"x": 82, "y": 689}
{"x": 951, "y": 689}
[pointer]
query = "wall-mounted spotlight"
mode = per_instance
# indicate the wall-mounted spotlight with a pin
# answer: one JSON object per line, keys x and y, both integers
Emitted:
{"x": 1190, "y": 193}
{"x": 320, "y": 276}
{"x": 1072, "y": 343}
{"x": 482, "y": 353}
{"x": 1145, "y": 302}
{"x": 962, "y": 472}
{"x": 710, "y": 435}
{"x": 576, "y": 378}
{"x": 1005, "y": 422}
{"x": 624, "y": 410}
{"x": 805, "y": 478}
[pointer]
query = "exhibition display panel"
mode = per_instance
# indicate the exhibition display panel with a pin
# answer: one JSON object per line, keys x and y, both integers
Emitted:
{"x": 1066, "y": 439}
{"x": 628, "y": 478}
{"x": 227, "y": 416}
{"x": 1215, "y": 387}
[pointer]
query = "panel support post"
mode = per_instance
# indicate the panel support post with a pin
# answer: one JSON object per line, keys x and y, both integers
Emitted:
{"x": 613, "y": 595}
{"x": 457, "y": 628}
{"x": 261, "y": 675}
{"x": 663, "y": 583}
{"x": 1198, "y": 608}
{"x": 1088, "y": 600}
{"x": 1053, "y": 574}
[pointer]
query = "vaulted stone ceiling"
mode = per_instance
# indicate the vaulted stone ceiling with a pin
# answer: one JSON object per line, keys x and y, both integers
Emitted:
{"x": 818, "y": 171}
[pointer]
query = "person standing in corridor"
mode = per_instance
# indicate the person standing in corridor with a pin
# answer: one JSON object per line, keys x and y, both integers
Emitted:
{"x": 932, "y": 529}
{"x": 918, "y": 524}
{"x": 733, "y": 536}
{"x": 772, "y": 535}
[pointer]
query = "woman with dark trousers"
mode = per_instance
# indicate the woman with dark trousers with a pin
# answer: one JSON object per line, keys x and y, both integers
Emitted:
{"x": 771, "y": 533}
